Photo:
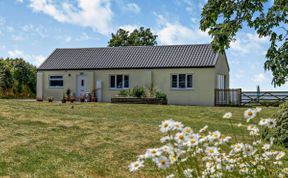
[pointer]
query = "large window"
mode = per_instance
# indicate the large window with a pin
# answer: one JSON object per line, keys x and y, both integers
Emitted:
{"x": 56, "y": 81}
{"x": 182, "y": 81}
{"x": 119, "y": 81}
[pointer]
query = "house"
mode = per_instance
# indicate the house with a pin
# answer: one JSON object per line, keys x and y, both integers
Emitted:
{"x": 188, "y": 74}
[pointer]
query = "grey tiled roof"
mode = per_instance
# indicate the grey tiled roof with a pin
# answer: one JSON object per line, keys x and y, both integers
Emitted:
{"x": 133, "y": 57}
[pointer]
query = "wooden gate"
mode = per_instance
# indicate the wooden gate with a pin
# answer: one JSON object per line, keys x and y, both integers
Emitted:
{"x": 235, "y": 97}
{"x": 228, "y": 97}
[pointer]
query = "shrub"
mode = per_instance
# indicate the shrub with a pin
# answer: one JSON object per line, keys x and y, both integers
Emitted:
{"x": 203, "y": 153}
{"x": 161, "y": 95}
{"x": 123, "y": 93}
{"x": 138, "y": 92}
{"x": 280, "y": 132}
{"x": 50, "y": 99}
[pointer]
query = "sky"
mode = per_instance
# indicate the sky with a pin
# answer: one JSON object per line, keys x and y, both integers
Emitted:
{"x": 32, "y": 29}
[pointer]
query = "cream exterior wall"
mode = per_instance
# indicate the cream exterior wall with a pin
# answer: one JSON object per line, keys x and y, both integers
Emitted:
{"x": 204, "y": 82}
{"x": 222, "y": 68}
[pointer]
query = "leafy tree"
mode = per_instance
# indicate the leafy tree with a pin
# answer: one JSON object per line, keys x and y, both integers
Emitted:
{"x": 139, "y": 37}
{"x": 224, "y": 18}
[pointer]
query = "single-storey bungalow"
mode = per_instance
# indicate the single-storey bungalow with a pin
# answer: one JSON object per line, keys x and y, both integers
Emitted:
{"x": 188, "y": 74}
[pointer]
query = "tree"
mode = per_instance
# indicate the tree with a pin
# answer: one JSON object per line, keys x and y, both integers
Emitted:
{"x": 139, "y": 37}
{"x": 223, "y": 19}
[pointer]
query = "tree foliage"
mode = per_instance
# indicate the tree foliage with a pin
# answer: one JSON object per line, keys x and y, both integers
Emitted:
{"x": 223, "y": 19}
{"x": 139, "y": 37}
{"x": 17, "y": 78}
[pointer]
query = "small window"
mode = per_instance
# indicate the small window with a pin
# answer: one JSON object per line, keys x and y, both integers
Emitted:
{"x": 119, "y": 81}
{"x": 189, "y": 81}
{"x": 126, "y": 81}
{"x": 174, "y": 81}
{"x": 56, "y": 81}
{"x": 112, "y": 81}
{"x": 82, "y": 83}
{"x": 182, "y": 81}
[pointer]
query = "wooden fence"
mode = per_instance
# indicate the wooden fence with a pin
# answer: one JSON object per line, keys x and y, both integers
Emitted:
{"x": 235, "y": 97}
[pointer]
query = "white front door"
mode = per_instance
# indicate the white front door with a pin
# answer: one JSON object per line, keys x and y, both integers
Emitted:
{"x": 82, "y": 86}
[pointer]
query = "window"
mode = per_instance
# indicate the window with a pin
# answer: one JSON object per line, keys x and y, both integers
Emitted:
{"x": 56, "y": 81}
{"x": 182, "y": 81}
{"x": 82, "y": 83}
{"x": 221, "y": 81}
{"x": 119, "y": 81}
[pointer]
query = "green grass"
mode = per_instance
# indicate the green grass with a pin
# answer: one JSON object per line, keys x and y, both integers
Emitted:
{"x": 92, "y": 139}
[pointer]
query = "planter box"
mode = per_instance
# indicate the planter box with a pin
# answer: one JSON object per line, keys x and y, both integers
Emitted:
{"x": 138, "y": 100}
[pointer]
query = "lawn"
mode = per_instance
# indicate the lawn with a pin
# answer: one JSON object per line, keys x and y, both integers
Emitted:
{"x": 91, "y": 139}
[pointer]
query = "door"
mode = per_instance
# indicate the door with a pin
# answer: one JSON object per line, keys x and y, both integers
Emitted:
{"x": 82, "y": 87}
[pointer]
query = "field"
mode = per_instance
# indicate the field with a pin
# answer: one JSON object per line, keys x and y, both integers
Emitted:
{"x": 91, "y": 139}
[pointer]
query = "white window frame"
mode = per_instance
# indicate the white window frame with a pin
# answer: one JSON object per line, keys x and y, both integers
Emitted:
{"x": 186, "y": 83}
{"x": 115, "y": 82}
{"x": 49, "y": 79}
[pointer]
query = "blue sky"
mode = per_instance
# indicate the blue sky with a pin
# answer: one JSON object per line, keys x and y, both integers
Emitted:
{"x": 32, "y": 29}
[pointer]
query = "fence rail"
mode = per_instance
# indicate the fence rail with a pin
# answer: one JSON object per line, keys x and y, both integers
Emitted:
{"x": 237, "y": 97}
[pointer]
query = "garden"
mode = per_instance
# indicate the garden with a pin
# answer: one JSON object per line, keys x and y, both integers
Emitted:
{"x": 103, "y": 139}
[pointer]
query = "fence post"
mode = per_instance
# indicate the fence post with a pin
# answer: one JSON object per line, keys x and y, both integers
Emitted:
{"x": 240, "y": 96}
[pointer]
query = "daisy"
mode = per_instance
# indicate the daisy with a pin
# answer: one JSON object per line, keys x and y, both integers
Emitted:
{"x": 271, "y": 123}
{"x": 263, "y": 122}
{"x": 280, "y": 155}
{"x": 193, "y": 140}
{"x": 135, "y": 166}
{"x": 227, "y": 115}
{"x": 162, "y": 162}
{"x": 187, "y": 130}
{"x": 170, "y": 176}
{"x": 166, "y": 125}
{"x": 203, "y": 129}
{"x": 153, "y": 152}
{"x": 180, "y": 137}
{"x": 178, "y": 126}
{"x": 165, "y": 139}
{"x": 248, "y": 150}
{"x": 249, "y": 114}
{"x": 188, "y": 173}
{"x": 212, "y": 151}
{"x": 237, "y": 147}
{"x": 258, "y": 109}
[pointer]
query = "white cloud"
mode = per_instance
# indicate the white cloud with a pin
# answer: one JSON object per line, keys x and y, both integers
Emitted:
{"x": 34, "y": 59}
{"x": 249, "y": 43}
{"x": 176, "y": 33}
{"x": 132, "y": 7}
{"x": 259, "y": 77}
{"x": 15, "y": 53}
{"x": 129, "y": 28}
{"x": 19, "y": 1}
{"x": 68, "y": 39}
{"x": 2, "y": 21}
{"x": 93, "y": 13}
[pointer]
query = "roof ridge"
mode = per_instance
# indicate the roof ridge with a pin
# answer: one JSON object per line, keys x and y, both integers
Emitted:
{"x": 203, "y": 44}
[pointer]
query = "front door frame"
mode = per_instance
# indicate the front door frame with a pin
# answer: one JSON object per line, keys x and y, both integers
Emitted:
{"x": 78, "y": 84}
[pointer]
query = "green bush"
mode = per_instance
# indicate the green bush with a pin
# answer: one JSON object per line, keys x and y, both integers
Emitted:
{"x": 161, "y": 95}
{"x": 280, "y": 132}
{"x": 123, "y": 93}
{"x": 138, "y": 92}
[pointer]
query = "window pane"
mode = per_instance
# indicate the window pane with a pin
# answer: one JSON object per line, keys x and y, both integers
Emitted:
{"x": 119, "y": 81}
{"x": 56, "y": 77}
{"x": 126, "y": 81}
{"x": 82, "y": 83}
{"x": 112, "y": 81}
{"x": 174, "y": 81}
{"x": 56, "y": 83}
{"x": 189, "y": 81}
{"x": 182, "y": 80}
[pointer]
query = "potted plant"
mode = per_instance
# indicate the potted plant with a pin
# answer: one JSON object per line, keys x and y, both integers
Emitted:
{"x": 82, "y": 99}
{"x": 94, "y": 98}
{"x": 39, "y": 99}
{"x": 68, "y": 94}
{"x": 50, "y": 99}
{"x": 63, "y": 99}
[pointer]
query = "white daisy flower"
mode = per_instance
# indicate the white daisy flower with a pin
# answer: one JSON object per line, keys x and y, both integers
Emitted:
{"x": 170, "y": 176}
{"x": 162, "y": 162}
{"x": 227, "y": 115}
{"x": 135, "y": 166}
{"x": 271, "y": 123}
{"x": 193, "y": 140}
{"x": 250, "y": 114}
{"x": 239, "y": 125}
{"x": 173, "y": 158}
{"x": 263, "y": 122}
{"x": 212, "y": 151}
{"x": 237, "y": 147}
{"x": 248, "y": 150}
{"x": 166, "y": 125}
{"x": 187, "y": 130}
{"x": 266, "y": 146}
{"x": 203, "y": 129}
{"x": 188, "y": 173}
{"x": 179, "y": 137}
{"x": 178, "y": 126}
{"x": 165, "y": 139}
{"x": 280, "y": 155}
{"x": 153, "y": 152}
